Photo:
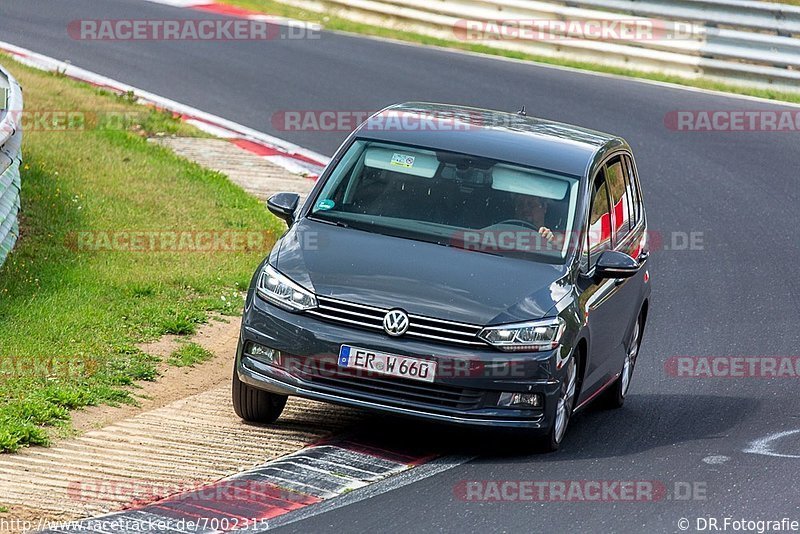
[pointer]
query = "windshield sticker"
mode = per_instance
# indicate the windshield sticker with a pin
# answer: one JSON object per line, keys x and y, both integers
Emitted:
{"x": 402, "y": 160}
{"x": 325, "y": 204}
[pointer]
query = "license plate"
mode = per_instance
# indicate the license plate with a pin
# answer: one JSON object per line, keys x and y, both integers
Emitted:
{"x": 386, "y": 364}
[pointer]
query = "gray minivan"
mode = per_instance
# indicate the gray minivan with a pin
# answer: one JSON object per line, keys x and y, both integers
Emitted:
{"x": 458, "y": 265}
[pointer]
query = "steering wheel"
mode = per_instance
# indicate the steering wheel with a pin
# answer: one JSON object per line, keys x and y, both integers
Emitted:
{"x": 519, "y": 222}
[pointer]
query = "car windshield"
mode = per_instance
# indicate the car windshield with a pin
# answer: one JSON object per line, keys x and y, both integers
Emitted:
{"x": 451, "y": 199}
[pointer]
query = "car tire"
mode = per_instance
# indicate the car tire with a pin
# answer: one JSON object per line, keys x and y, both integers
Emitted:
{"x": 566, "y": 404}
{"x": 615, "y": 395}
{"x": 255, "y": 405}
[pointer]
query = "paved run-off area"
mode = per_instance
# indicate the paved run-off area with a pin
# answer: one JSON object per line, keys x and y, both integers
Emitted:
{"x": 154, "y": 454}
{"x": 241, "y": 163}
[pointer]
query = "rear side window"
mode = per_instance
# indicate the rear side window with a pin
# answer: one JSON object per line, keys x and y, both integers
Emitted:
{"x": 632, "y": 185}
{"x": 621, "y": 206}
{"x": 599, "y": 231}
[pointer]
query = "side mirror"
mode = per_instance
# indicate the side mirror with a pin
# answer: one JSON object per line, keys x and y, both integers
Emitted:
{"x": 283, "y": 205}
{"x": 615, "y": 264}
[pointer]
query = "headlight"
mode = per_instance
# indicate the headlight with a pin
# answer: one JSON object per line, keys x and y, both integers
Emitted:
{"x": 284, "y": 292}
{"x": 532, "y": 336}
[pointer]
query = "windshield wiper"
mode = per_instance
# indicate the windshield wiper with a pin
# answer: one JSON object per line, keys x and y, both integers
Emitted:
{"x": 333, "y": 222}
{"x": 373, "y": 229}
{"x": 450, "y": 245}
{"x": 480, "y": 251}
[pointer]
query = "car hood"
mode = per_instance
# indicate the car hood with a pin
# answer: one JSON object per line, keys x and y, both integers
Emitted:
{"x": 422, "y": 278}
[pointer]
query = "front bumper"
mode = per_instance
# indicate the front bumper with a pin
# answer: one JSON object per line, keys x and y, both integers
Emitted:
{"x": 465, "y": 391}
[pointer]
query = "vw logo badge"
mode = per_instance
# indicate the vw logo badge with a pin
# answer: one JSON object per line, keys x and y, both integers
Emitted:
{"x": 395, "y": 322}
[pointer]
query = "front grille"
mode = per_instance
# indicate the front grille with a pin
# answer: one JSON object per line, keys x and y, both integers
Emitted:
{"x": 420, "y": 327}
{"x": 396, "y": 390}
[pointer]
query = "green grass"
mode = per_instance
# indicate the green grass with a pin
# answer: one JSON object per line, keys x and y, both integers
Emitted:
{"x": 70, "y": 317}
{"x": 4, "y": 510}
{"x": 334, "y": 23}
{"x": 188, "y": 355}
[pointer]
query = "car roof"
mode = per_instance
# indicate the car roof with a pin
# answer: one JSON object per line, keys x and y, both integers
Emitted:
{"x": 500, "y": 135}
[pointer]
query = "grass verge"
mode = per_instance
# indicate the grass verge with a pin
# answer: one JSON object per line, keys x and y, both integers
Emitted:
{"x": 334, "y": 23}
{"x": 188, "y": 355}
{"x": 71, "y": 314}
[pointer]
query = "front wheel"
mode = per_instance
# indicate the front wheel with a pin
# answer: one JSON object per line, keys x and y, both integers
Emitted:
{"x": 566, "y": 403}
{"x": 254, "y": 405}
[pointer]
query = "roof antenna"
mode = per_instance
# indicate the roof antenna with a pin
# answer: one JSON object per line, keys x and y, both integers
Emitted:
{"x": 522, "y": 112}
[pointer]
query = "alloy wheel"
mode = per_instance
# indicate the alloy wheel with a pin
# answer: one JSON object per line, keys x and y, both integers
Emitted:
{"x": 564, "y": 407}
{"x": 630, "y": 358}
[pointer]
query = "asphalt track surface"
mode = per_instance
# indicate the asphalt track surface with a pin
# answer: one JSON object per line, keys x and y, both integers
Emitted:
{"x": 737, "y": 294}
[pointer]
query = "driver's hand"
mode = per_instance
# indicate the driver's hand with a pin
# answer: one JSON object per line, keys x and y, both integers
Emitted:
{"x": 546, "y": 233}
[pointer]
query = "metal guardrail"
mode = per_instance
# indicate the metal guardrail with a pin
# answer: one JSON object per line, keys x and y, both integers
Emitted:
{"x": 738, "y": 42}
{"x": 781, "y": 19}
{"x": 10, "y": 159}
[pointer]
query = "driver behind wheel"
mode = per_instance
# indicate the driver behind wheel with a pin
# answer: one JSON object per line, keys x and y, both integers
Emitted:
{"x": 533, "y": 209}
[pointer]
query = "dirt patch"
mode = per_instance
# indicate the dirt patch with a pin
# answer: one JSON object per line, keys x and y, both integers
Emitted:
{"x": 219, "y": 336}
